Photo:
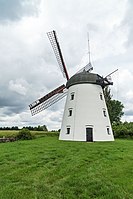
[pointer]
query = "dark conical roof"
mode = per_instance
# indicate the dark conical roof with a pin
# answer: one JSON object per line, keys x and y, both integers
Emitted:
{"x": 85, "y": 78}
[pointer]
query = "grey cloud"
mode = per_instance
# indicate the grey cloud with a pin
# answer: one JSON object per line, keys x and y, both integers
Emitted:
{"x": 15, "y": 9}
{"x": 27, "y": 75}
{"x": 10, "y": 111}
{"x": 27, "y": 55}
{"x": 129, "y": 113}
{"x": 12, "y": 103}
{"x": 128, "y": 23}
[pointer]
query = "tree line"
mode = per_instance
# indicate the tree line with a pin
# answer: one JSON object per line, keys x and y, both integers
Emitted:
{"x": 115, "y": 109}
{"x": 123, "y": 130}
{"x": 31, "y": 128}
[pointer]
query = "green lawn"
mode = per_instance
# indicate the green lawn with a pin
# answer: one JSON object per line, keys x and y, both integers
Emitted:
{"x": 48, "y": 168}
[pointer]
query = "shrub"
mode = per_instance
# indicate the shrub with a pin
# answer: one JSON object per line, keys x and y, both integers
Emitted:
{"x": 123, "y": 130}
{"x": 24, "y": 134}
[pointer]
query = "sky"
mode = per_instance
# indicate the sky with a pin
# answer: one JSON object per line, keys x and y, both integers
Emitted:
{"x": 28, "y": 67}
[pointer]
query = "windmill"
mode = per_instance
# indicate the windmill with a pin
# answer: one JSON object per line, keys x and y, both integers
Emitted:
{"x": 85, "y": 115}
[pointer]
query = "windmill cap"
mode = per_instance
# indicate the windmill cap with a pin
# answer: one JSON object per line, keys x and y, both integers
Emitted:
{"x": 86, "y": 78}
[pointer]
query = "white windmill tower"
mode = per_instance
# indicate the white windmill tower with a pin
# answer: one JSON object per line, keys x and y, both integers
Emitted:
{"x": 85, "y": 115}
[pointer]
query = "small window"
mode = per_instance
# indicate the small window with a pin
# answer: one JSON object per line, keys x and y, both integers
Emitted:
{"x": 108, "y": 131}
{"x": 104, "y": 113}
{"x": 70, "y": 112}
{"x": 68, "y": 130}
{"x": 72, "y": 96}
{"x": 101, "y": 96}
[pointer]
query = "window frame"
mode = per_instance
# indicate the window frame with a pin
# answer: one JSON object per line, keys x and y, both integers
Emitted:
{"x": 101, "y": 96}
{"x": 72, "y": 96}
{"x": 108, "y": 130}
{"x": 68, "y": 130}
{"x": 70, "y": 112}
{"x": 104, "y": 113}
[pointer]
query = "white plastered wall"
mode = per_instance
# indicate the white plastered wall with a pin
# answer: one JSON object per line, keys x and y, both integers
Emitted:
{"x": 87, "y": 111}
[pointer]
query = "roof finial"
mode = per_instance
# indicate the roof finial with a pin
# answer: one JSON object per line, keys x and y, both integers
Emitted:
{"x": 89, "y": 52}
{"x": 89, "y": 47}
{"x": 88, "y": 67}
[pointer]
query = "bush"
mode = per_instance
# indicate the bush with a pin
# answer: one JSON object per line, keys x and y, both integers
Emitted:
{"x": 123, "y": 130}
{"x": 24, "y": 134}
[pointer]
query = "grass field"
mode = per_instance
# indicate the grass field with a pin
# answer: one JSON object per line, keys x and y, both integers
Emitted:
{"x": 48, "y": 168}
{"x": 9, "y": 133}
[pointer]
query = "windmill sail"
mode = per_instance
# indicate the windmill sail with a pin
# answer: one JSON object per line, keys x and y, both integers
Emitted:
{"x": 48, "y": 100}
{"x": 111, "y": 73}
{"x": 108, "y": 79}
{"x": 86, "y": 68}
{"x": 57, "y": 50}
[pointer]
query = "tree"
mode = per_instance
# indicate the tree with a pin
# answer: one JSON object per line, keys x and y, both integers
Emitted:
{"x": 115, "y": 111}
{"x": 115, "y": 107}
{"x": 41, "y": 128}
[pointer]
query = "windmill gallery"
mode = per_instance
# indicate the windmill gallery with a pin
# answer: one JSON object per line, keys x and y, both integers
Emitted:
{"x": 85, "y": 115}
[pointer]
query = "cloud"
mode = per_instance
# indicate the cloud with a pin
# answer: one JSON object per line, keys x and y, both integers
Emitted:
{"x": 128, "y": 23}
{"x": 16, "y": 9}
{"x": 28, "y": 71}
{"x": 28, "y": 67}
{"x": 20, "y": 86}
